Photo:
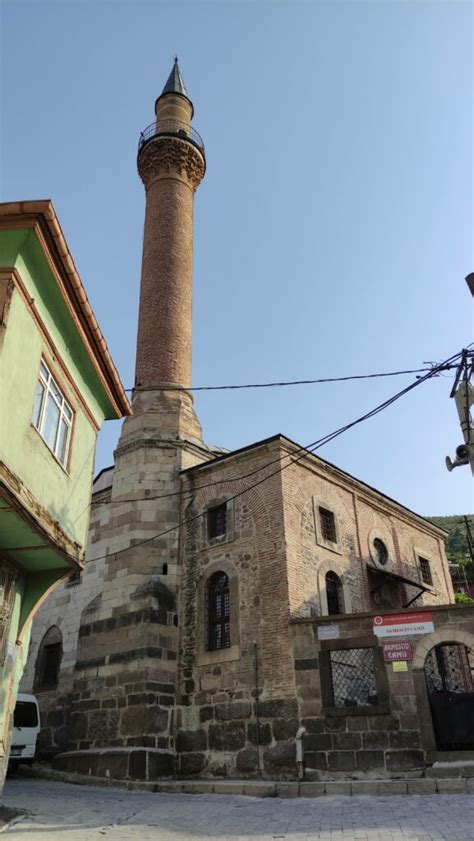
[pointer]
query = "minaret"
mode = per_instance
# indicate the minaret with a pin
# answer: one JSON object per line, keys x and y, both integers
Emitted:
{"x": 128, "y": 638}
{"x": 171, "y": 164}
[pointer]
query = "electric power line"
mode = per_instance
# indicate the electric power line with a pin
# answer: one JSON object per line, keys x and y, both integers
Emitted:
{"x": 281, "y": 384}
{"x": 434, "y": 370}
{"x": 309, "y": 449}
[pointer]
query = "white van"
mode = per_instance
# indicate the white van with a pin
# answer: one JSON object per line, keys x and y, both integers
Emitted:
{"x": 26, "y": 726}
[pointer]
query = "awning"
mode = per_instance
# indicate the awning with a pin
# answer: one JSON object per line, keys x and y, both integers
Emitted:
{"x": 402, "y": 579}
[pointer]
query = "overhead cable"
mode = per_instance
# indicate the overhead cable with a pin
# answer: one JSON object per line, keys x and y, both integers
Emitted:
{"x": 303, "y": 452}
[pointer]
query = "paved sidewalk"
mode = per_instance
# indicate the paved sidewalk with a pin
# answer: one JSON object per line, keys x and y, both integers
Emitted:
{"x": 62, "y": 812}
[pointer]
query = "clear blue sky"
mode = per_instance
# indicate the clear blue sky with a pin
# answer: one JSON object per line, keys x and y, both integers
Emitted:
{"x": 333, "y": 228}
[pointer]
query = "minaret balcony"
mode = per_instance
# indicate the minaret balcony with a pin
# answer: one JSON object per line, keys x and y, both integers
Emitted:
{"x": 170, "y": 128}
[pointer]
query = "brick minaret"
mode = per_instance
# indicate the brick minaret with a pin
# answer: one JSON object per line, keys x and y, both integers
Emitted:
{"x": 128, "y": 639}
{"x": 171, "y": 164}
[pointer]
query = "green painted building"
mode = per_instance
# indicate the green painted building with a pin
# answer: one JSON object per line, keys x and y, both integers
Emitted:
{"x": 58, "y": 384}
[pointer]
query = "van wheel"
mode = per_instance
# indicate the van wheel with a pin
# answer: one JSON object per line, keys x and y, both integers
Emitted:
{"x": 13, "y": 766}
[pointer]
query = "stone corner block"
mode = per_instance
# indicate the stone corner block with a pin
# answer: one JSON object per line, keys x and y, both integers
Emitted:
{"x": 424, "y": 786}
{"x": 287, "y": 789}
{"x": 363, "y": 787}
{"x": 258, "y": 789}
{"x": 338, "y": 788}
{"x": 451, "y": 786}
{"x": 171, "y": 787}
{"x": 229, "y": 787}
{"x": 392, "y": 787}
{"x": 312, "y": 789}
{"x": 199, "y": 787}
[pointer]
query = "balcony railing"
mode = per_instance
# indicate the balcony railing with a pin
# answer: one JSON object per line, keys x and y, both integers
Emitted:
{"x": 170, "y": 128}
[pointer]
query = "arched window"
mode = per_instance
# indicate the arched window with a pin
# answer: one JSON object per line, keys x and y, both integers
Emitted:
{"x": 218, "y": 612}
{"x": 334, "y": 594}
{"x": 49, "y": 659}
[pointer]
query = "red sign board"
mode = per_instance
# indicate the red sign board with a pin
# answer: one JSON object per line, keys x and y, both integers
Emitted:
{"x": 403, "y": 624}
{"x": 397, "y": 651}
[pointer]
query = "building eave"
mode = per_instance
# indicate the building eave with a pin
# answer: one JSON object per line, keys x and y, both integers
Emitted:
{"x": 327, "y": 465}
{"x": 42, "y": 214}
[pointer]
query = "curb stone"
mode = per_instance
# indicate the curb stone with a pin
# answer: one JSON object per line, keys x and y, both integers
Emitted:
{"x": 267, "y": 788}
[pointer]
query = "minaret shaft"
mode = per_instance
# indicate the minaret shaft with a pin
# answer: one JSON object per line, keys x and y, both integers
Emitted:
{"x": 171, "y": 166}
{"x": 165, "y": 317}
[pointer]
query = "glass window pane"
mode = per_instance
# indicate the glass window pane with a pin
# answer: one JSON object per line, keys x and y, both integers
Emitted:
{"x": 38, "y": 402}
{"x": 44, "y": 371}
{"x": 67, "y": 411}
{"x": 55, "y": 390}
{"x": 62, "y": 441}
{"x": 25, "y": 715}
{"x": 50, "y": 422}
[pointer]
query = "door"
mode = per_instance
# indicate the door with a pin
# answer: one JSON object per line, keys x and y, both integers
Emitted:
{"x": 451, "y": 693}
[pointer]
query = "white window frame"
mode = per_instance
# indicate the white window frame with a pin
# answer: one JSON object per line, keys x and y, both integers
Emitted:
{"x": 65, "y": 413}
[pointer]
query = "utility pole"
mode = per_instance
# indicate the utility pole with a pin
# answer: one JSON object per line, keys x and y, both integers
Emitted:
{"x": 463, "y": 394}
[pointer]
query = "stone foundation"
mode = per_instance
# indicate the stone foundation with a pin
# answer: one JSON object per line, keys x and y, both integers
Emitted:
{"x": 118, "y": 763}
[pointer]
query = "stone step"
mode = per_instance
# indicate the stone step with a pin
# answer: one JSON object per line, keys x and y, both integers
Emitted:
{"x": 452, "y": 770}
{"x": 269, "y": 788}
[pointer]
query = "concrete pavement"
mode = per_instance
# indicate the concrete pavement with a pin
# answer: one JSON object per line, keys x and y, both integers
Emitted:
{"x": 62, "y": 812}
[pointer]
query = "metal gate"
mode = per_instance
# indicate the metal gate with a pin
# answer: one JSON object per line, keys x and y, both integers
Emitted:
{"x": 451, "y": 692}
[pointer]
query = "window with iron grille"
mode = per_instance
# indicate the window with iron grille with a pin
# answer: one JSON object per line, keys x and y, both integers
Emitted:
{"x": 49, "y": 659}
{"x": 425, "y": 568}
{"x": 334, "y": 594}
{"x": 218, "y": 612}
{"x": 353, "y": 677}
{"x": 217, "y": 521}
{"x": 328, "y": 525}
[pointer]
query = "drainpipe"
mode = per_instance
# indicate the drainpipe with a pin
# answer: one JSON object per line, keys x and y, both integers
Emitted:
{"x": 257, "y": 714}
{"x": 299, "y": 752}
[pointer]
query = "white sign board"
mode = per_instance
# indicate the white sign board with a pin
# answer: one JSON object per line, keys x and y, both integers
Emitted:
{"x": 328, "y": 632}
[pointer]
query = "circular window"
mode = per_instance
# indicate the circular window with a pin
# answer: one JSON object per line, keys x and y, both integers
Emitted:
{"x": 381, "y": 551}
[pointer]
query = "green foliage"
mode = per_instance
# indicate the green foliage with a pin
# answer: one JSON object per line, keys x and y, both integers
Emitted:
{"x": 462, "y": 598}
{"x": 457, "y": 548}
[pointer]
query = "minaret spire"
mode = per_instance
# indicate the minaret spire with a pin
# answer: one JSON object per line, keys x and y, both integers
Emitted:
{"x": 175, "y": 83}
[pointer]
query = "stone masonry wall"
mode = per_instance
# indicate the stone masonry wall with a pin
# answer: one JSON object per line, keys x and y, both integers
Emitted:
{"x": 360, "y": 515}
{"x": 64, "y": 609}
{"x": 396, "y": 739}
{"x": 222, "y": 693}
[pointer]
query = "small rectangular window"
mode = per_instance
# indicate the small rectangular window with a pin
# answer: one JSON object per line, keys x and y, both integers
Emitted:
{"x": 353, "y": 677}
{"x": 74, "y": 578}
{"x": 52, "y": 416}
{"x": 425, "y": 568}
{"x": 328, "y": 525}
{"x": 217, "y": 521}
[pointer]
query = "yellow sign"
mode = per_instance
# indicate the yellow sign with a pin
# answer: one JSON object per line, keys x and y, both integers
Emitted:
{"x": 400, "y": 666}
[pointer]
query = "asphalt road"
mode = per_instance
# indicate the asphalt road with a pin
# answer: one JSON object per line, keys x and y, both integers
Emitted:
{"x": 63, "y": 812}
